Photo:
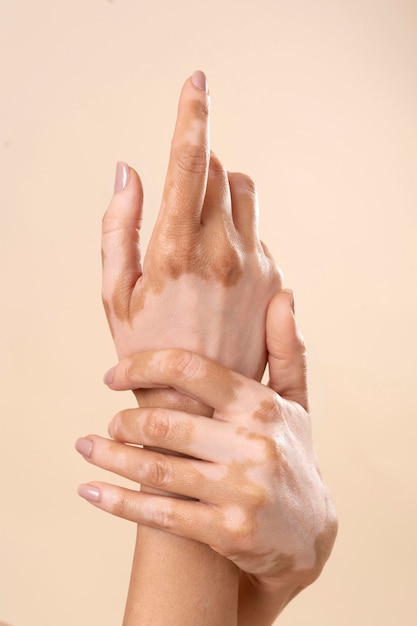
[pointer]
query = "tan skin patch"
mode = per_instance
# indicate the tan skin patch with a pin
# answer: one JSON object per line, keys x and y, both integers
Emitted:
{"x": 267, "y": 411}
{"x": 222, "y": 266}
{"x": 273, "y": 454}
{"x": 107, "y": 310}
{"x": 206, "y": 253}
{"x": 121, "y": 299}
{"x": 286, "y": 564}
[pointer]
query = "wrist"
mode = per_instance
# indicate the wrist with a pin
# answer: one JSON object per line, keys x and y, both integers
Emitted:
{"x": 261, "y": 600}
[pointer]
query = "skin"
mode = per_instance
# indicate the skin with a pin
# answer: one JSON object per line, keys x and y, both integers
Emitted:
{"x": 258, "y": 498}
{"x": 203, "y": 271}
{"x": 204, "y": 266}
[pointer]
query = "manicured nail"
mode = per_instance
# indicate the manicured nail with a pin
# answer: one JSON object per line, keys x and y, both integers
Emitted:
{"x": 199, "y": 80}
{"x": 122, "y": 176}
{"x": 90, "y": 493}
{"x": 108, "y": 376}
{"x": 84, "y": 446}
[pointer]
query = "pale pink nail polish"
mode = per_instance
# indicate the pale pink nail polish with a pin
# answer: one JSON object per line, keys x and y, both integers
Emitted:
{"x": 108, "y": 376}
{"x": 84, "y": 446}
{"x": 90, "y": 493}
{"x": 122, "y": 176}
{"x": 199, "y": 80}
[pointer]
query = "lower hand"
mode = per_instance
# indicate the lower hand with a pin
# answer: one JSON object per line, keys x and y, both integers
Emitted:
{"x": 257, "y": 496}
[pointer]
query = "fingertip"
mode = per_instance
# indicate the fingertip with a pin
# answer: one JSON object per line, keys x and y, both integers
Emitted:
{"x": 109, "y": 376}
{"x": 89, "y": 492}
{"x": 121, "y": 177}
{"x": 199, "y": 80}
{"x": 84, "y": 446}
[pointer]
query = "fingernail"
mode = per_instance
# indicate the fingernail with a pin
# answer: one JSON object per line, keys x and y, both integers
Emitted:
{"x": 84, "y": 446}
{"x": 108, "y": 376}
{"x": 90, "y": 493}
{"x": 122, "y": 176}
{"x": 199, "y": 80}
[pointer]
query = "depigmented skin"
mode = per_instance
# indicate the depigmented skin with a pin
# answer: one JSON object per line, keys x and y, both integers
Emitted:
{"x": 206, "y": 280}
{"x": 252, "y": 466}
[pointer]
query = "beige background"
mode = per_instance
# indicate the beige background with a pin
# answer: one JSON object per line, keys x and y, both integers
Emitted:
{"x": 317, "y": 100}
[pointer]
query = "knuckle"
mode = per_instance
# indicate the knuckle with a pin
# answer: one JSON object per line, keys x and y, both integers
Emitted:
{"x": 181, "y": 364}
{"x": 226, "y": 261}
{"x": 129, "y": 369}
{"x": 199, "y": 108}
{"x": 160, "y": 472}
{"x": 156, "y": 425}
{"x": 242, "y": 181}
{"x": 164, "y": 517}
{"x": 241, "y": 538}
{"x": 121, "y": 504}
{"x": 184, "y": 252}
{"x": 268, "y": 409}
{"x": 115, "y": 426}
{"x": 191, "y": 158}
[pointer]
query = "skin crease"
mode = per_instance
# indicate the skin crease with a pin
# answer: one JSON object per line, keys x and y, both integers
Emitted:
{"x": 204, "y": 269}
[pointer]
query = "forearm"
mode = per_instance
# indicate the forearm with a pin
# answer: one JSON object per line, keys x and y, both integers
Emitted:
{"x": 179, "y": 581}
{"x": 176, "y": 580}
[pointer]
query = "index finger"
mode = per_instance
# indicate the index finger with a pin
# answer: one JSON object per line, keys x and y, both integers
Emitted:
{"x": 194, "y": 375}
{"x": 186, "y": 180}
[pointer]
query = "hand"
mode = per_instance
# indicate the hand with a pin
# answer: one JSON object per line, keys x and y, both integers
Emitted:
{"x": 259, "y": 497}
{"x": 206, "y": 279}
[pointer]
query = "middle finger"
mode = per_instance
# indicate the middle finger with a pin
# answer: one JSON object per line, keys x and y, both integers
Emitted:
{"x": 194, "y": 435}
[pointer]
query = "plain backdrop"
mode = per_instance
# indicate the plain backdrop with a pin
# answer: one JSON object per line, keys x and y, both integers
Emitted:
{"x": 317, "y": 101}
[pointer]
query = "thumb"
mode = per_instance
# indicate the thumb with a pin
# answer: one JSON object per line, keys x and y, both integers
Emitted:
{"x": 286, "y": 350}
{"x": 120, "y": 240}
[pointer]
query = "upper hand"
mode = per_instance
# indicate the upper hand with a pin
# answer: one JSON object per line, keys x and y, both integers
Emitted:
{"x": 206, "y": 278}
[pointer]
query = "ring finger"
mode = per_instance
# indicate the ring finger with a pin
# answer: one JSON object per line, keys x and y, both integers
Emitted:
{"x": 173, "y": 474}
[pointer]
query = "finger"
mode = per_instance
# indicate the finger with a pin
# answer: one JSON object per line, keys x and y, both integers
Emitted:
{"x": 186, "y": 180}
{"x": 244, "y": 207}
{"x": 194, "y": 435}
{"x": 217, "y": 202}
{"x": 173, "y": 474}
{"x": 194, "y": 520}
{"x": 286, "y": 350}
{"x": 192, "y": 374}
{"x": 120, "y": 241}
